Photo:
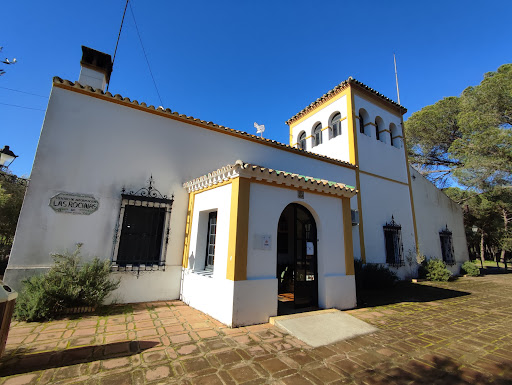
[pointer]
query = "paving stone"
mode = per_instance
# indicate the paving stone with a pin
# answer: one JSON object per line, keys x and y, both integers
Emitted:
{"x": 158, "y": 373}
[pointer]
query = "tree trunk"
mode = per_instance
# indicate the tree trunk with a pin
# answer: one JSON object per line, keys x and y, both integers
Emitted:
{"x": 482, "y": 248}
{"x": 505, "y": 227}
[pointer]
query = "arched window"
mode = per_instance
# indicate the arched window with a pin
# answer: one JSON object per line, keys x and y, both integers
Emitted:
{"x": 336, "y": 125}
{"x": 301, "y": 143}
{"x": 364, "y": 119}
{"x": 317, "y": 134}
{"x": 395, "y": 136}
{"x": 377, "y": 130}
{"x": 392, "y": 132}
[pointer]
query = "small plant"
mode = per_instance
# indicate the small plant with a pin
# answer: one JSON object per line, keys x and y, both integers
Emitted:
{"x": 69, "y": 283}
{"x": 374, "y": 276}
{"x": 470, "y": 269}
{"x": 436, "y": 270}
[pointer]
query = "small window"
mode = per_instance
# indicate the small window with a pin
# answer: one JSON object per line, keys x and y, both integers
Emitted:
{"x": 361, "y": 123}
{"x": 302, "y": 141}
{"x": 377, "y": 130}
{"x": 445, "y": 237}
{"x": 144, "y": 230}
{"x": 317, "y": 135}
{"x": 210, "y": 239}
{"x": 393, "y": 240}
{"x": 336, "y": 125}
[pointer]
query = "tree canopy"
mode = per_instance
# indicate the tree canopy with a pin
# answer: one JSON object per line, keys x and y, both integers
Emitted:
{"x": 467, "y": 138}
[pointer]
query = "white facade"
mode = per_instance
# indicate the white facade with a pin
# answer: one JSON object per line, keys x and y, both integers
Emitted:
{"x": 97, "y": 144}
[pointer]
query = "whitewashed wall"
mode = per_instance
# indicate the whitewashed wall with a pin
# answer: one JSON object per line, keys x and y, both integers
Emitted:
{"x": 92, "y": 146}
{"x": 210, "y": 294}
{"x": 335, "y": 289}
{"x": 382, "y": 199}
{"x": 337, "y": 147}
{"x": 434, "y": 210}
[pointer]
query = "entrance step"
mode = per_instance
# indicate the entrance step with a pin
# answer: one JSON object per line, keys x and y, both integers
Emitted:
{"x": 322, "y": 327}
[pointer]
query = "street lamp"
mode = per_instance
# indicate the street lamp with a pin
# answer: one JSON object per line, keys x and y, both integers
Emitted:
{"x": 6, "y": 155}
{"x": 474, "y": 229}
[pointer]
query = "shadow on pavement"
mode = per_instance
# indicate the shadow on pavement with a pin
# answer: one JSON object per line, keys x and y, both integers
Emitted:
{"x": 23, "y": 361}
{"x": 443, "y": 370}
{"x": 405, "y": 292}
{"x": 490, "y": 270}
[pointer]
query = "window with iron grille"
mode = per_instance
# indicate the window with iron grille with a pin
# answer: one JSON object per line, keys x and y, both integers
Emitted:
{"x": 393, "y": 241}
{"x": 210, "y": 239}
{"x": 142, "y": 232}
{"x": 445, "y": 236}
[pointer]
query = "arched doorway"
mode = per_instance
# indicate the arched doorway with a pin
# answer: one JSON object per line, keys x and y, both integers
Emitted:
{"x": 297, "y": 271}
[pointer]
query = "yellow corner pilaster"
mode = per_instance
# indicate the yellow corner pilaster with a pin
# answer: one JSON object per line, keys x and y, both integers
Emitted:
{"x": 347, "y": 237}
{"x": 238, "y": 230}
{"x": 354, "y": 154}
{"x": 188, "y": 228}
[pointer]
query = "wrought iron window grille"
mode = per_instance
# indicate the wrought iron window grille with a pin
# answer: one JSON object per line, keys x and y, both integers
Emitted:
{"x": 393, "y": 243}
{"x": 141, "y": 234}
{"x": 445, "y": 236}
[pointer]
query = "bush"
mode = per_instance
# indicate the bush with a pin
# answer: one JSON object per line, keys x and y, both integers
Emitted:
{"x": 69, "y": 283}
{"x": 373, "y": 276}
{"x": 435, "y": 270}
{"x": 470, "y": 269}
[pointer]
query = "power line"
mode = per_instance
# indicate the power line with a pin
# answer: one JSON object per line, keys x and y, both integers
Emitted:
{"x": 27, "y": 108}
{"x": 119, "y": 36}
{"x": 24, "y": 92}
{"x": 143, "y": 50}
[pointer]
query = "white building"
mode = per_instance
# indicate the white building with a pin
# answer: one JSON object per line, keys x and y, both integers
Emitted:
{"x": 223, "y": 219}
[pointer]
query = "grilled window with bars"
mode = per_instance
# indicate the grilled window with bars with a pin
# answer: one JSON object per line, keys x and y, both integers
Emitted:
{"x": 394, "y": 247}
{"x": 142, "y": 232}
{"x": 445, "y": 237}
{"x": 210, "y": 239}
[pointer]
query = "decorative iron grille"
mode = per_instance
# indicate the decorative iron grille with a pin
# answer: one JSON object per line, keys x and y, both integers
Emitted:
{"x": 394, "y": 247}
{"x": 142, "y": 231}
{"x": 445, "y": 237}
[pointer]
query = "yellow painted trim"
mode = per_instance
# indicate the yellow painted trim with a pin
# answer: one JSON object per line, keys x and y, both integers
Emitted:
{"x": 225, "y": 131}
{"x": 398, "y": 136}
{"x": 385, "y": 131}
{"x": 383, "y": 177}
{"x": 320, "y": 107}
{"x": 291, "y": 136}
{"x": 188, "y": 229}
{"x": 238, "y": 230}
{"x": 354, "y": 152}
{"x": 410, "y": 189}
{"x": 347, "y": 236}
{"x": 370, "y": 124}
{"x": 325, "y": 128}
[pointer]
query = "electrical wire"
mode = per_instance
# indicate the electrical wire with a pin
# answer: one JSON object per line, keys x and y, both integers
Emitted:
{"x": 24, "y": 92}
{"x": 27, "y": 108}
{"x": 119, "y": 34}
{"x": 143, "y": 50}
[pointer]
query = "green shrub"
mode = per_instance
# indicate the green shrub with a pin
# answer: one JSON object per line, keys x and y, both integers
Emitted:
{"x": 69, "y": 283}
{"x": 436, "y": 270}
{"x": 373, "y": 276}
{"x": 470, "y": 269}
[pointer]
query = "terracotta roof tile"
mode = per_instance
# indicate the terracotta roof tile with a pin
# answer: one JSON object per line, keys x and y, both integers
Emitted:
{"x": 338, "y": 89}
{"x": 247, "y": 170}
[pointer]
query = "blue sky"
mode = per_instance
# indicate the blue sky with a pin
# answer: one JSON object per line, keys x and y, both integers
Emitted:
{"x": 237, "y": 62}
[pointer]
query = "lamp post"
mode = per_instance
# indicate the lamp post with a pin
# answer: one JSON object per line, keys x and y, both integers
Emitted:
{"x": 6, "y": 155}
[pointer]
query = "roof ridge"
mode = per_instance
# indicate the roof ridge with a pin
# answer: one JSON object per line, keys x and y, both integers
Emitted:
{"x": 134, "y": 102}
{"x": 338, "y": 88}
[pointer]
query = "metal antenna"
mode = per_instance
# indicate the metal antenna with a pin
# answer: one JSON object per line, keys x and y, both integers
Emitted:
{"x": 396, "y": 78}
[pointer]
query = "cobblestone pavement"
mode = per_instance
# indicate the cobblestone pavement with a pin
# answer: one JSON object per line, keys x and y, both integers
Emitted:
{"x": 463, "y": 338}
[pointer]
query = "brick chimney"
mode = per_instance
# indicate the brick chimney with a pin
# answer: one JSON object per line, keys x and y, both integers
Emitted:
{"x": 96, "y": 68}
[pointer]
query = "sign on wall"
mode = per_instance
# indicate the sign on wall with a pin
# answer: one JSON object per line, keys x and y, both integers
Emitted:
{"x": 70, "y": 203}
